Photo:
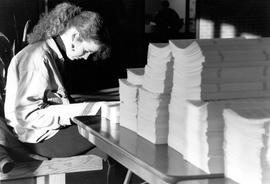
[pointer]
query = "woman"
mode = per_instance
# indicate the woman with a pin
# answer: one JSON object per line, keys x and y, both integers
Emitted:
{"x": 37, "y": 106}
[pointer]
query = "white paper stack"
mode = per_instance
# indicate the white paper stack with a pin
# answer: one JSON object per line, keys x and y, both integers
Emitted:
{"x": 128, "y": 91}
{"x": 187, "y": 119}
{"x": 241, "y": 69}
{"x": 154, "y": 95}
{"x": 247, "y": 143}
{"x": 129, "y": 104}
{"x": 196, "y": 131}
{"x": 187, "y": 71}
{"x": 111, "y": 111}
{"x": 135, "y": 75}
{"x": 153, "y": 116}
{"x": 158, "y": 70}
{"x": 233, "y": 68}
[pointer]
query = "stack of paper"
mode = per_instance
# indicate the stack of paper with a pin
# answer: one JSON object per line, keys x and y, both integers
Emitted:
{"x": 111, "y": 111}
{"x": 234, "y": 68}
{"x": 129, "y": 104}
{"x": 187, "y": 71}
{"x": 153, "y": 116}
{"x": 135, "y": 75}
{"x": 241, "y": 69}
{"x": 158, "y": 70}
{"x": 187, "y": 120}
{"x": 154, "y": 95}
{"x": 128, "y": 90}
{"x": 246, "y": 143}
{"x": 196, "y": 131}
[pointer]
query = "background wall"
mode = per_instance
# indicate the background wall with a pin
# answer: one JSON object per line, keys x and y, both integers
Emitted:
{"x": 230, "y": 18}
{"x": 219, "y": 18}
{"x": 14, "y": 14}
{"x": 125, "y": 19}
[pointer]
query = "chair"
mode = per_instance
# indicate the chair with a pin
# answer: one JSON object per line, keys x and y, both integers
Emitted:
{"x": 17, "y": 165}
{"x": 50, "y": 171}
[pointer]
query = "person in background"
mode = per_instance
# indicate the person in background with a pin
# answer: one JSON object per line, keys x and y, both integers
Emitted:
{"x": 167, "y": 21}
{"x": 37, "y": 104}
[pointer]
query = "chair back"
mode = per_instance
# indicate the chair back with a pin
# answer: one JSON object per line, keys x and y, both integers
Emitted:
{"x": 5, "y": 58}
{"x": 2, "y": 86}
{"x": 7, "y": 139}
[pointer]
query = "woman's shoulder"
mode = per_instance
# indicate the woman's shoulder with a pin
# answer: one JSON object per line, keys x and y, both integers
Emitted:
{"x": 32, "y": 56}
{"x": 36, "y": 50}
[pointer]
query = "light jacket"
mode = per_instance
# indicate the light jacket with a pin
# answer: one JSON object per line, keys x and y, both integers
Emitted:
{"x": 35, "y": 95}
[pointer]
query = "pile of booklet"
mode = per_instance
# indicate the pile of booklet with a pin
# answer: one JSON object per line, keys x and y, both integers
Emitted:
{"x": 153, "y": 116}
{"x": 128, "y": 90}
{"x": 135, "y": 75}
{"x": 188, "y": 126}
{"x": 187, "y": 72}
{"x": 128, "y": 104}
{"x": 191, "y": 73}
{"x": 158, "y": 70}
{"x": 233, "y": 68}
{"x": 196, "y": 131}
{"x": 246, "y": 143}
{"x": 154, "y": 94}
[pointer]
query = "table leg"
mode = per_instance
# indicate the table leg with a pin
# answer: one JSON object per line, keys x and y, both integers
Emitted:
{"x": 128, "y": 177}
{"x": 116, "y": 173}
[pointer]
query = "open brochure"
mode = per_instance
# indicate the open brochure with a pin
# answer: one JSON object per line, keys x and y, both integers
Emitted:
{"x": 109, "y": 110}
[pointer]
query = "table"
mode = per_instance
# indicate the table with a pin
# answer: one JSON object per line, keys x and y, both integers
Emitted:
{"x": 157, "y": 164}
{"x": 209, "y": 181}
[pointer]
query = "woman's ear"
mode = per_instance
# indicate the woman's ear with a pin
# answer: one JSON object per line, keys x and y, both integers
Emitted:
{"x": 75, "y": 36}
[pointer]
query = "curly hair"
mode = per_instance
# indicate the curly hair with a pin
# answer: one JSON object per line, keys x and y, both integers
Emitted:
{"x": 54, "y": 23}
{"x": 89, "y": 24}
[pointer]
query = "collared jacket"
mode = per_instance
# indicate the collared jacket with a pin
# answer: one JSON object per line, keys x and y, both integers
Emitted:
{"x": 36, "y": 100}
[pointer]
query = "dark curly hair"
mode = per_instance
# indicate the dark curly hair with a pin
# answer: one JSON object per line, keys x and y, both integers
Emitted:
{"x": 89, "y": 24}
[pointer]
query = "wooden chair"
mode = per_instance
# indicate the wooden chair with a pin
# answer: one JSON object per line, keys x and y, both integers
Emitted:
{"x": 50, "y": 171}
{"x": 17, "y": 165}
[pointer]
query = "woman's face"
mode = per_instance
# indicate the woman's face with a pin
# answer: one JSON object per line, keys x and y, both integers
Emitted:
{"x": 81, "y": 49}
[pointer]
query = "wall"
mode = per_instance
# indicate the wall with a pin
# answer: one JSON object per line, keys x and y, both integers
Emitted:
{"x": 230, "y": 18}
{"x": 13, "y": 16}
{"x": 125, "y": 19}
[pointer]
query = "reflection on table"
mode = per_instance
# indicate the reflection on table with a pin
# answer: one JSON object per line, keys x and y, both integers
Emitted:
{"x": 154, "y": 163}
